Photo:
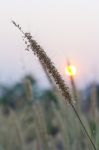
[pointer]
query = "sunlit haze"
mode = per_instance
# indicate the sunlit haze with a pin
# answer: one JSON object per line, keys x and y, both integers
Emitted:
{"x": 71, "y": 70}
{"x": 66, "y": 29}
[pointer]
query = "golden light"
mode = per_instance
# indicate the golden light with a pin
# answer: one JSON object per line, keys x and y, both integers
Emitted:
{"x": 71, "y": 70}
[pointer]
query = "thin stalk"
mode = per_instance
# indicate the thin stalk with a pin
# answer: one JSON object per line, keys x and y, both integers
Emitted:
{"x": 19, "y": 131}
{"x": 83, "y": 126}
{"x": 72, "y": 82}
{"x": 40, "y": 124}
{"x": 46, "y": 61}
{"x": 62, "y": 126}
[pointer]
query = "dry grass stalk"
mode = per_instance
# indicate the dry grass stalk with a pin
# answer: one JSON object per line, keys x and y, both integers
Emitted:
{"x": 93, "y": 103}
{"x": 48, "y": 64}
{"x": 18, "y": 129}
{"x": 38, "y": 114}
{"x": 62, "y": 126}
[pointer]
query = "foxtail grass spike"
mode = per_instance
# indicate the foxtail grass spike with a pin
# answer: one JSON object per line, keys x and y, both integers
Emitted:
{"x": 46, "y": 61}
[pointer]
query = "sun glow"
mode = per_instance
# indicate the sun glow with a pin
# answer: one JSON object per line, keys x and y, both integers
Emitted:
{"x": 71, "y": 70}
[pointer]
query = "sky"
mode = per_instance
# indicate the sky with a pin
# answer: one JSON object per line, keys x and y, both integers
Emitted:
{"x": 66, "y": 29}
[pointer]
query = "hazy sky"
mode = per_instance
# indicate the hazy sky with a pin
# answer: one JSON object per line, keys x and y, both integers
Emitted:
{"x": 64, "y": 28}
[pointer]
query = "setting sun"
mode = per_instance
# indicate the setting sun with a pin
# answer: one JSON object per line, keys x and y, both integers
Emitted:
{"x": 70, "y": 70}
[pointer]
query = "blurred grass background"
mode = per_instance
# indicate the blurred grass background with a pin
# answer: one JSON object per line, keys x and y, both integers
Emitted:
{"x": 36, "y": 119}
